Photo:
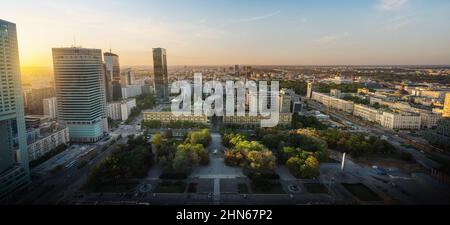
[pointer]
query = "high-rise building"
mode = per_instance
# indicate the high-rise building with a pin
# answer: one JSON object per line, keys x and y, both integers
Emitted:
{"x": 80, "y": 92}
{"x": 14, "y": 171}
{"x": 309, "y": 90}
{"x": 50, "y": 107}
{"x": 108, "y": 84}
{"x": 34, "y": 98}
{"x": 113, "y": 74}
{"x": 161, "y": 73}
{"x": 446, "y": 112}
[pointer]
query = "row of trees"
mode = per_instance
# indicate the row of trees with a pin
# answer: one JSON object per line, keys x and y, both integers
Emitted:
{"x": 300, "y": 150}
{"x": 247, "y": 154}
{"x": 356, "y": 144}
{"x": 357, "y": 100}
{"x": 129, "y": 161}
{"x": 299, "y": 122}
{"x": 143, "y": 102}
{"x": 346, "y": 88}
{"x": 182, "y": 157}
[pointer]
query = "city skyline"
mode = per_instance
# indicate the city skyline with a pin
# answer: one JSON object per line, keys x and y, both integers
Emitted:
{"x": 375, "y": 32}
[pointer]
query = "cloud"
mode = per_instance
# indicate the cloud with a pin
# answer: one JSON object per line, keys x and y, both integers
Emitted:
{"x": 330, "y": 39}
{"x": 392, "y": 5}
{"x": 398, "y": 22}
{"x": 255, "y": 18}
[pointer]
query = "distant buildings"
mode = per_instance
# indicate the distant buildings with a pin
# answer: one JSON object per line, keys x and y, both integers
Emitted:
{"x": 14, "y": 171}
{"x": 130, "y": 91}
{"x": 168, "y": 117}
{"x": 121, "y": 110}
{"x": 285, "y": 119}
{"x": 285, "y": 101}
{"x": 446, "y": 112}
{"x": 333, "y": 102}
{"x": 113, "y": 74}
{"x": 34, "y": 98}
{"x": 401, "y": 120}
{"x": 50, "y": 107}
{"x": 161, "y": 74}
{"x": 80, "y": 91}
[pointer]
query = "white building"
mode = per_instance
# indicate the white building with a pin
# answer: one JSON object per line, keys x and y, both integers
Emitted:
{"x": 332, "y": 102}
{"x": 429, "y": 120}
{"x": 401, "y": 121}
{"x": 367, "y": 113}
{"x": 48, "y": 141}
{"x": 131, "y": 91}
{"x": 121, "y": 110}
{"x": 50, "y": 109}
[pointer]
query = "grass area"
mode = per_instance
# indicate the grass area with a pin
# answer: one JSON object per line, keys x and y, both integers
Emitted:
{"x": 269, "y": 187}
{"x": 362, "y": 192}
{"x": 242, "y": 188}
{"x": 315, "y": 188}
{"x": 170, "y": 187}
{"x": 192, "y": 188}
{"x": 120, "y": 187}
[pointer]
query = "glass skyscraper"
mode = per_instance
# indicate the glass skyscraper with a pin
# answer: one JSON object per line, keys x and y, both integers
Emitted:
{"x": 160, "y": 73}
{"x": 80, "y": 92}
{"x": 14, "y": 171}
{"x": 113, "y": 75}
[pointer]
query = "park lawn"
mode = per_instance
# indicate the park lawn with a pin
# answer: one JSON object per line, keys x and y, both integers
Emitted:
{"x": 170, "y": 187}
{"x": 273, "y": 187}
{"x": 114, "y": 188}
{"x": 315, "y": 188}
{"x": 192, "y": 188}
{"x": 242, "y": 188}
{"x": 362, "y": 192}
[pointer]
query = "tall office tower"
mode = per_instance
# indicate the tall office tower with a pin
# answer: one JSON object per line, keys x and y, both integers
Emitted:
{"x": 108, "y": 84}
{"x": 446, "y": 113}
{"x": 14, "y": 171}
{"x": 310, "y": 90}
{"x": 129, "y": 77}
{"x": 80, "y": 92}
{"x": 113, "y": 74}
{"x": 161, "y": 73}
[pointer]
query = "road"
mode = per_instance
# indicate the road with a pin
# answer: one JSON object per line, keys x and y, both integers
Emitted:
{"x": 392, "y": 137}
{"x": 52, "y": 188}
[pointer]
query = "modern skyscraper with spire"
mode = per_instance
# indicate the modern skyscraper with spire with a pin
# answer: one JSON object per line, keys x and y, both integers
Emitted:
{"x": 80, "y": 92}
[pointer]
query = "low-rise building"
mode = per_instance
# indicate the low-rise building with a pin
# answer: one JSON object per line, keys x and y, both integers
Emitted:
{"x": 131, "y": 91}
{"x": 285, "y": 119}
{"x": 429, "y": 120}
{"x": 401, "y": 121}
{"x": 51, "y": 136}
{"x": 367, "y": 113}
{"x": 334, "y": 103}
{"x": 120, "y": 110}
{"x": 168, "y": 117}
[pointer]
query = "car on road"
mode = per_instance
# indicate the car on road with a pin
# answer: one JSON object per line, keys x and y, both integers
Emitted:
{"x": 379, "y": 171}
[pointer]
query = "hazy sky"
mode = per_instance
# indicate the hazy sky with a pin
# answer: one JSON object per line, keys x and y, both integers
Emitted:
{"x": 237, "y": 32}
